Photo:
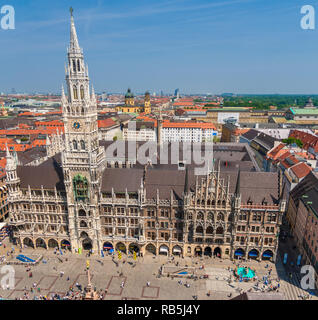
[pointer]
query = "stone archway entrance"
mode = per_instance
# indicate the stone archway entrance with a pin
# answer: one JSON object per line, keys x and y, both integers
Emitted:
{"x": 164, "y": 250}
{"x": 87, "y": 244}
{"x": 217, "y": 252}
{"x": 208, "y": 251}
{"x": 267, "y": 255}
{"x": 86, "y": 241}
{"x": 28, "y": 242}
{"x": 150, "y": 248}
{"x": 253, "y": 254}
{"x": 198, "y": 251}
{"x": 239, "y": 253}
{"x": 177, "y": 251}
{"x": 65, "y": 244}
{"x": 133, "y": 247}
{"x": 52, "y": 244}
{"x": 40, "y": 243}
{"x": 108, "y": 246}
{"x": 121, "y": 247}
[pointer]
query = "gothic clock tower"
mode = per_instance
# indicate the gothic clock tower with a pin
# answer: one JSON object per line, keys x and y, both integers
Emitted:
{"x": 83, "y": 159}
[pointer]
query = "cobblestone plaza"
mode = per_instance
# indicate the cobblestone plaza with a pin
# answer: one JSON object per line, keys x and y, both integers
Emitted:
{"x": 105, "y": 274}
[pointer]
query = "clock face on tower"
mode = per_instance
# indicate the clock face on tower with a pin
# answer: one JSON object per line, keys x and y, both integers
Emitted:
{"x": 76, "y": 125}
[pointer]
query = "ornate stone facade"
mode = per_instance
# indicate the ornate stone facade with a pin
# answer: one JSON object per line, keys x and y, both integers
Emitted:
{"x": 80, "y": 199}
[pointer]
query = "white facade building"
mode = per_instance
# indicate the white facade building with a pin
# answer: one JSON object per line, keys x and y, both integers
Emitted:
{"x": 139, "y": 135}
{"x": 189, "y": 132}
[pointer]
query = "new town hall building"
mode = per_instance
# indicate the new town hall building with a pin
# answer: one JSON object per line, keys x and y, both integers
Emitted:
{"x": 79, "y": 197}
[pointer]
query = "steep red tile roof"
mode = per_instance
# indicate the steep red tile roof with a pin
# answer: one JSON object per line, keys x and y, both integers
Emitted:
{"x": 23, "y": 126}
{"x": 240, "y": 131}
{"x": 289, "y": 161}
{"x": 28, "y": 113}
{"x": 202, "y": 125}
{"x": 305, "y": 155}
{"x": 185, "y": 103}
{"x": 15, "y": 146}
{"x": 106, "y": 123}
{"x": 38, "y": 142}
{"x": 53, "y": 123}
{"x": 3, "y": 162}
{"x": 275, "y": 152}
{"x": 308, "y": 140}
{"x": 300, "y": 170}
{"x": 28, "y": 132}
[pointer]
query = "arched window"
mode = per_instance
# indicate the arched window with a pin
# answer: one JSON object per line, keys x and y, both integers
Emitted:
{"x": 200, "y": 216}
{"x": 78, "y": 66}
{"x": 219, "y": 230}
{"x": 199, "y": 229}
{"x": 74, "y": 144}
{"x": 210, "y": 216}
{"x": 74, "y": 66}
{"x": 83, "y": 224}
{"x": 209, "y": 230}
{"x": 82, "y": 92}
{"x": 81, "y": 213}
{"x": 82, "y": 145}
{"x": 75, "y": 92}
{"x": 220, "y": 217}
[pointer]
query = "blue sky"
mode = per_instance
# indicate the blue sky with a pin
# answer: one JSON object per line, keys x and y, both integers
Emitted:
{"x": 199, "y": 46}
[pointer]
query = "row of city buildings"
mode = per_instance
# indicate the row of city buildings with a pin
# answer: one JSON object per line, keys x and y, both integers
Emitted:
{"x": 69, "y": 191}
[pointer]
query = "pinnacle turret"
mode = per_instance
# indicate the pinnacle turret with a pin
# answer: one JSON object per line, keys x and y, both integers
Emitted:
{"x": 63, "y": 94}
{"x": 93, "y": 94}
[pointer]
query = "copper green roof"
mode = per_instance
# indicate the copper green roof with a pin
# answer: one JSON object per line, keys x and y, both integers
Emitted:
{"x": 129, "y": 94}
{"x": 298, "y": 111}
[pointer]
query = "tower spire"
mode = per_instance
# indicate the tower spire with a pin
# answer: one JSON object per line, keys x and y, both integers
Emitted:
{"x": 73, "y": 38}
